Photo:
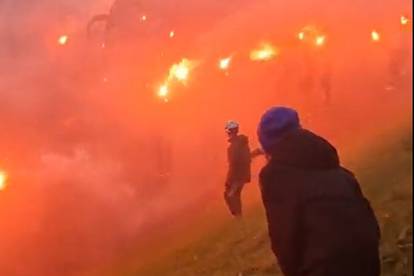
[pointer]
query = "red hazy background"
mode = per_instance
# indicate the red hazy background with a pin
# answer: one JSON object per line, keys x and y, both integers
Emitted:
{"x": 82, "y": 129}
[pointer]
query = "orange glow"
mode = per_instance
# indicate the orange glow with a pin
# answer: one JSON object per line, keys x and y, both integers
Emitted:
{"x": 181, "y": 70}
{"x": 309, "y": 33}
{"x": 375, "y": 36}
{"x": 3, "y": 180}
{"x": 178, "y": 72}
{"x": 163, "y": 91}
{"x": 144, "y": 18}
{"x": 63, "y": 40}
{"x": 320, "y": 40}
{"x": 404, "y": 20}
{"x": 265, "y": 52}
{"x": 224, "y": 63}
{"x": 171, "y": 34}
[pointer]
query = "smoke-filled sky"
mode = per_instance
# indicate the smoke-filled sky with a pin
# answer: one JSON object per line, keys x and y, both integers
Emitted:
{"x": 87, "y": 145}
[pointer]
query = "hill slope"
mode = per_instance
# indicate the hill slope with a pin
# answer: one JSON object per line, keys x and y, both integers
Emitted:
{"x": 242, "y": 247}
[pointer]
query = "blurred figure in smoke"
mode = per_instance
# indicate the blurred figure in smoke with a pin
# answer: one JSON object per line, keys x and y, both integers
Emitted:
{"x": 319, "y": 221}
{"x": 326, "y": 83}
{"x": 239, "y": 160}
{"x": 130, "y": 38}
{"x": 129, "y": 20}
{"x": 123, "y": 17}
{"x": 316, "y": 77}
{"x": 395, "y": 69}
{"x": 163, "y": 163}
{"x": 400, "y": 55}
{"x": 307, "y": 84}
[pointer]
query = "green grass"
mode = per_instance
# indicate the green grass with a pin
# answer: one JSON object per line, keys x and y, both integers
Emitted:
{"x": 232, "y": 247}
{"x": 387, "y": 180}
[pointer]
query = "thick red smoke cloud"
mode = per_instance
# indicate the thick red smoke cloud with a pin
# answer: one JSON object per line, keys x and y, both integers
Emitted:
{"x": 84, "y": 136}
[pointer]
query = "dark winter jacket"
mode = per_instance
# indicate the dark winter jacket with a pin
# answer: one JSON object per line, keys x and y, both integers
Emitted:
{"x": 319, "y": 222}
{"x": 238, "y": 155}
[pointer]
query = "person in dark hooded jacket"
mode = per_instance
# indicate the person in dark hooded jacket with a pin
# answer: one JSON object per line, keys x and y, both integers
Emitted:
{"x": 319, "y": 221}
{"x": 239, "y": 162}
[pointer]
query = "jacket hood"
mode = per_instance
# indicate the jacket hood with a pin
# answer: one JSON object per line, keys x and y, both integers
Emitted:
{"x": 303, "y": 149}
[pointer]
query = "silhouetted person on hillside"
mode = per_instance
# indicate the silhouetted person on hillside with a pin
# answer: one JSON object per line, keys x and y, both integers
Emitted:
{"x": 319, "y": 221}
{"x": 239, "y": 162}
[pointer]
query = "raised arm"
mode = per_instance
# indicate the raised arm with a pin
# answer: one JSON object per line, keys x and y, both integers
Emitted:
{"x": 256, "y": 152}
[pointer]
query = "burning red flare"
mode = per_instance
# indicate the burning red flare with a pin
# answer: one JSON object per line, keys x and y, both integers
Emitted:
{"x": 375, "y": 36}
{"x": 63, "y": 40}
{"x": 163, "y": 91}
{"x": 3, "y": 180}
{"x": 404, "y": 20}
{"x": 224, "y": 63}
{"x": 301, "y": 35}
{"x": 320, "y": 40}
{"x": 143, "y": 18}
{"x": 264, "y": 53}
{"x": 179, "y": 72}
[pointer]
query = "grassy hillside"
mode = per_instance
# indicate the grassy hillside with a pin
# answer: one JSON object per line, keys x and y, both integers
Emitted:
{"x": 242, "y": 247}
